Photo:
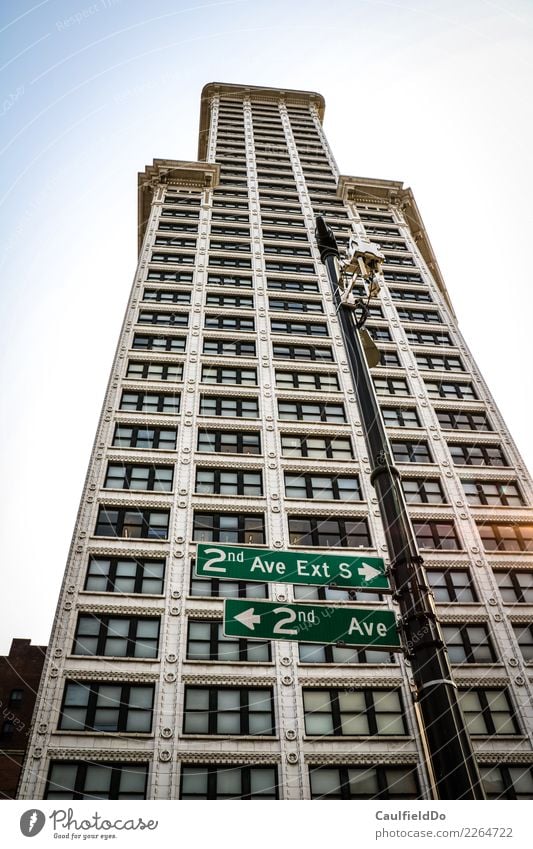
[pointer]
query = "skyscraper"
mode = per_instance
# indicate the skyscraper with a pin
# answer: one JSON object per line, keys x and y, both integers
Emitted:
{"x": 230, "y": 416}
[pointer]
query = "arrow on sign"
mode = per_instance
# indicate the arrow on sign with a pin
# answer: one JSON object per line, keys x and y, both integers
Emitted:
{"x": 248, "y": 618}
{"x": 368, "y": 572}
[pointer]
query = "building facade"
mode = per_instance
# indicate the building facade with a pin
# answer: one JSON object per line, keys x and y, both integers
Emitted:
{"x": 20, "y": 673}
{"x": 230, "y": 416}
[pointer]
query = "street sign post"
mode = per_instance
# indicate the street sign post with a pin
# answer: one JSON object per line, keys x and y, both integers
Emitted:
{"x": 311, "y": 623}
{"x": 291, "y": 567}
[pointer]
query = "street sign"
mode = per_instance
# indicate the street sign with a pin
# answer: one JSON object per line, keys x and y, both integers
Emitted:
{"x": 291, "y": 567}
{"x": 310, "y": 623}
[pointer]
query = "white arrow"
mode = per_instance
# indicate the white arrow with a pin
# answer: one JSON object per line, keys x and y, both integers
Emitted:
{"x": 368, "y": 572}
{"x": 248, "y": 618}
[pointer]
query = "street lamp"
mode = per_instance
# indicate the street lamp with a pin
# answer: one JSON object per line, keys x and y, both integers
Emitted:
{"x": 452, "y": 763}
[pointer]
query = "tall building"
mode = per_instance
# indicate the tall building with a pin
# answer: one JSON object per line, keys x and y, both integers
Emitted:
{"x": 230, "y": 416}
{"x": 20, "y": 672}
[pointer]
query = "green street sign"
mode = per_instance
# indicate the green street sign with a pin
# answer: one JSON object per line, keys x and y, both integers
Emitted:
{"x": 310, "y": 623}
{"x": 291, "y": 567}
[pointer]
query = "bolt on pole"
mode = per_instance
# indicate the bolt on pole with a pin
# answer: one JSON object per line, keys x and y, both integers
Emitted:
{"x": 452, "y": 760}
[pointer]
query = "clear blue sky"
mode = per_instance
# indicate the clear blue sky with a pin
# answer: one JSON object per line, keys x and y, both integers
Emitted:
{"x": 437, "y": 94}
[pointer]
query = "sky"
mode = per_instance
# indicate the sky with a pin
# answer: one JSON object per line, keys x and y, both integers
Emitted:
{"x": 436, "y": 93}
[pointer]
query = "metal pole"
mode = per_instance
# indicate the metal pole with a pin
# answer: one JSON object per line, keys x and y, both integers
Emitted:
{"x": 450, "y": 749}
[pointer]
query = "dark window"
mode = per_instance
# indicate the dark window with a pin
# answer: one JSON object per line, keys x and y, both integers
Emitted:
{"x": 165, "y": 276}
{"x": 227, "y": 527}
{"x": 506, "y": 537}
{"x": 295, "y": 306}
{"x": 325, "y": 593}
{"x": 488, "y": 712}
{"x": 176, "y": 344}
{"x": 226, "y": 442}
{"x": 428, "y": 316}
{"x": 131, "y": 522}
{"x": 389, "y": 359}
{"x": 439, "y": 363}
{"x": 411, "y": 452}
{"x": 451, "y": 585}
{"x": 205, "y": 641}
{"x": 228, "y": 482}
{"x": 468, "y": 643}
{"x": 154, "y": 371}
{"x": 230, "y": 261}
{"x": 125, "y": 575}
{"x": 524, "y": 637}
{"x": 515, "y": 586}
{"x": 225, "y": 710}
{"x": 379, "y": 334}
{"x": 477, "y": 455}
{"x": 298, "y": 328}
{"x": 353, "y": 713}
{"x": 310, "y": 653}
{"x": 173, "y": 259}
{"x": 307, "y": 380}
{"x": 449, "y": 419}
{"x": 228, "y": 782}
{"x": 419, "y": 295}
{"x": 133, "y": 436}
{"x": 438, "y": 535}
{"x": 398, "y": 417}
{"x": 291, "y": 267}
{"x": 322, "y": 487}
{"x": 94, "y": 780}
{"x": 331, "y": 447}
{"x": 324, "y": 532}
{"x": 425, "y": 491}
{"x": 287, "y": 250}
{"x": 116, "y": 636}
{"x": 228, "y": 322}
{"x": 391, "y": 386}
{"x": 311, "y": 412}
{"x": 238, "y": 301}
{"x": 166, "y": 296}
{"x": 229, "y": 280}
{"x": 425, "y": 337}
{"x": 301, "y": 352}
{"x": 507, "y": 781}
{"x": 8, "y": 729}
{"x": 229, "y": 348}
{"x": 150, "y": 402}
{"x": 15, "y": 697}
{"x": 88, "y": 706}
{"x": 212, "y": 405}
{"x": 499, "y": 494}
{"x": 364, "y": 782}
{"x": 172, "y": 319}
{"x": 222, "y": 374}
{"x": 448, "y": 389}
{"x": 130, "y": 476}
{"x": 221, "y": 588}
{"x": 292, "y": 285}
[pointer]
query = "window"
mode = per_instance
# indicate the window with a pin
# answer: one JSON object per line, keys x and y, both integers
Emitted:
{"x": 291, "y": 285}
{"x": 468, "y": 643}
{"x": 167, "y": 296}
{"x": 410, "y": 452}
{"x": 311, "y": 412}
{"x": 116, "y": 636}
{"x": 125, "y": 575}
{"x": 217, "y": 245}
{"x": 132, "y": 522}
{"x": 221, "y": 374}
{"x": 507, "y": 781}
{"x": 440, "y": 363}
{"x": 89, "y": 706}
{"x": 229, "y": 348}
{"x": 229, "y": 443}
{"x": 295, "y": 306}
{"x": 331, "y": 447}
{"x": 453, "y": 585}
{"x": 391, "y": 386}
{"x": 364, "y": 782}
{"x": 212, "y": 710}
{"x": 165, "y": 276}
{"x": 298, "y": 328}
{"x": 132, "y": 436}
{"x": 409, "y": 294}
{"x": 221, "y": 588}
{"x": 506, "y": 537}
{"x": 150, "y": 402}
{"x": 423, "y": 491}
{"x": 175, "y": 319}
{"x": 176, "y": 344}
{"x": 226, "y": 527}
{"x": 128, "y": 476}
{"x": 231, "y": 261}
{"x": 15, "y": 697}
{"x": 500, "y": 494}
{"x": 438, "y": 535}
{"x": 229, "y": 280}
{"x": 89, "y": 780}
{"x": 398, "y": 417}
{"x": 379, "y": 334}
{"x": 238, "y": 301}
{"x": 307, "y": 380}
{"x": 205, "y": 641}
{"x": 353, "y": 712}
{"x": 322, "y": 487}
{"x": 301, "y": 352}
{"x": 228, "y": 482}
{"x": 429, "y": 316}
{"x": 326, "y": 593}
{"x": 339, "y": 654}
{"x": 443, "y": 389}
{"x": 477, "y": 455}
{"x": 8, "y": 729}
{"x": 524, "y": 637}
{"x": 424, "y": 337}
{"x": 453, "y": 420}
{"x": 515, "y": 586}
{"x": 488, "y": 712}
{"x": 154, "y": 371}
{"x": 214, "y": 405}
{"x": 389, "y": 359}
{"x": 329, "y": 533}
{"x": 228, "y": 782}
{"x": 229, "y": 322}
